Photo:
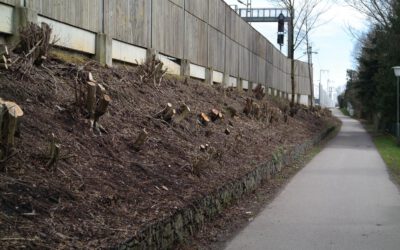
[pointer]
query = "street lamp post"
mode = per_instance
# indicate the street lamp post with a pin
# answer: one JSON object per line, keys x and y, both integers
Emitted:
{"x": 397, "y": 74}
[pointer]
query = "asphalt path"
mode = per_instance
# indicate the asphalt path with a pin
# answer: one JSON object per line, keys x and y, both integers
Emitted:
{"x": 343, "y": 199}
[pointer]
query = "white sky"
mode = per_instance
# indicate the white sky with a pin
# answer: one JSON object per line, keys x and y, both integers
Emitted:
{"x": 332, "y": 40}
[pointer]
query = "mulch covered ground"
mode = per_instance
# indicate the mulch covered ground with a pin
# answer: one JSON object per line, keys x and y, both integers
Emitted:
{"x": 102, "y": 190}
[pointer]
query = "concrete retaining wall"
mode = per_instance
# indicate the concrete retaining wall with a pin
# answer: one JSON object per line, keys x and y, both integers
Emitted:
{"x": 206, "y": 33}
{"x": 164, "y": 234}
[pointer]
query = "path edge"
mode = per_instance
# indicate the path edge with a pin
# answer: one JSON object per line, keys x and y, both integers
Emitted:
{"x": 174, "y": 229}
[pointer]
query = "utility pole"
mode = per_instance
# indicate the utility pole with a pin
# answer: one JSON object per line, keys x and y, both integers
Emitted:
{"x": 291, "y": 52}
{"x": 329, "y": 91}
{"x": 309, "y": 53}
{"x": 320, "y": 85}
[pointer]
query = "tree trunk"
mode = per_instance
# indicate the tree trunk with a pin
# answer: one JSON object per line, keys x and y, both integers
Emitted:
{"x": 248, "y": 107}
{"x": 102, "y": 107}
{"x": 167, "y": 113}
{"x": 91, "y": 99}
{"x": 311, "y": 83}
{"x": 3, "y": 111}
{"x": 291, "y": 53}
{"x": 215, "y": 114}
{"x": 292, "y": 78}
{"x": 183, "y": 112}
{"x": 204, "y": 119}
{"x": 101, "y": 91}
{"x": 54, "y": 152}
{"x": 13, "y": 113}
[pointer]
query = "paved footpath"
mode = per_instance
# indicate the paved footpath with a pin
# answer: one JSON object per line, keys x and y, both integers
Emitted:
{"x": 343, "y": 199}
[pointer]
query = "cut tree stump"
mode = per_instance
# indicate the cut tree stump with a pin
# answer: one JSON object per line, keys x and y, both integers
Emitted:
{"x": 167, "y": 113}
{"x": 256, "y": 111}
{"x": 259, "y": 92}
{"x": 248, "y": 106}
{"x": 54, "y": 151}
{"x": 3, "y": 111}
{"x": 182, "y": 113}
{"x": 90, "y": 78}
{"x": 14, "y": 112}
{"x": 204, "y": 119}
{"x": 91, "y": 99}
{"x": 100, "y": 91}
{"x": 9, "y": 121}
{"x": 140, "y": 141}
{"x": 101, "y": 108}
{"x": 215, "y": 114}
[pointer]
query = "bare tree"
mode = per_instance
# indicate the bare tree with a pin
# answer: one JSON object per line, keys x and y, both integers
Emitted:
{"x": 379, "y": 11}
{"x": 304, "y": 18}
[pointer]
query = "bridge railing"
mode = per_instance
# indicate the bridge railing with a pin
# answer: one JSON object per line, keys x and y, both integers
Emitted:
{"x": 262, "y": 14}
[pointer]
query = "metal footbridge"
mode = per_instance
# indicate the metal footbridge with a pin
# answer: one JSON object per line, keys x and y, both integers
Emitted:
{"x": 263, "y": 15}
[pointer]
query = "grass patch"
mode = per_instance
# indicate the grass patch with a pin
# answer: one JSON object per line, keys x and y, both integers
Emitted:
{"x": 345, "y": 111}
{"x": 390, "y": 153}
{"x": 69, "y": 56}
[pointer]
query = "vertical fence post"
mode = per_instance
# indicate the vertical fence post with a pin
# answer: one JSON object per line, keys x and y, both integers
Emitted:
{"x": 209, "y": 76}
{"x": 185, "y": 68}
{"x": 103, "y": 53}
{"x": 103, "y": 49}
{"x": 240, "y": 84}
{"x": 22, "y": 16}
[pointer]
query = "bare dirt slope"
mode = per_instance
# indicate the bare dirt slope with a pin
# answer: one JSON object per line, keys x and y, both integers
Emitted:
{"x": 102, "y": 190}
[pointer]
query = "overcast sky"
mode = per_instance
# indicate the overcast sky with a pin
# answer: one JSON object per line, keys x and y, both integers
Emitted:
{"x": 332, "y": 40}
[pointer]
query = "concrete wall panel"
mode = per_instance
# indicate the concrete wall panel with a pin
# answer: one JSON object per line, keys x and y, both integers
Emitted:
{"x": 243, "y": 33}
{"x": 232, "y": 24}
{"x": 128, "y": 53}
{"x": 269, "y": 51}
{"x": 6, "y": 19}
{"x": 216, "y": 16}
{"x": 180, "y": 3}
{"x": 197, "y": 71}
{"x": 232, "y": 57}
{"x": 253, "y": 68}
{"x": 86, "y": 14}
{"x": 70, "y": 37}
{"x": 206, "y": 32}
{"x": 244, "y": 62}
{"x": 261, "y": 77}
{"x": 233, "y": 82}
{"x": 196, "y": 40}
{"x": 168, "y": 28}
{"x": 128, "y": 21}
{"x": 216, "y": 49}
{"x": 218, "y": 77}
{"x": 11, "y": 2}
{"x": 198, "y": 8}
{"x": 268, "y": 74}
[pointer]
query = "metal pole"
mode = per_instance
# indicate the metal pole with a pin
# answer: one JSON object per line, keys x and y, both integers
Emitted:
{"x": 398, "y": 114}
{"x": 320, "y": 85}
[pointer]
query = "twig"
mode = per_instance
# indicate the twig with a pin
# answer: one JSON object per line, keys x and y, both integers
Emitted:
{"x": 19, "y": 239}
{"x": 8, "y": 157}
{"x": 34, "y": 48}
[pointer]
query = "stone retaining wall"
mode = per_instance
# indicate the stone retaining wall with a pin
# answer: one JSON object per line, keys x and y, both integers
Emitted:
{"x": 164, "y": 234}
